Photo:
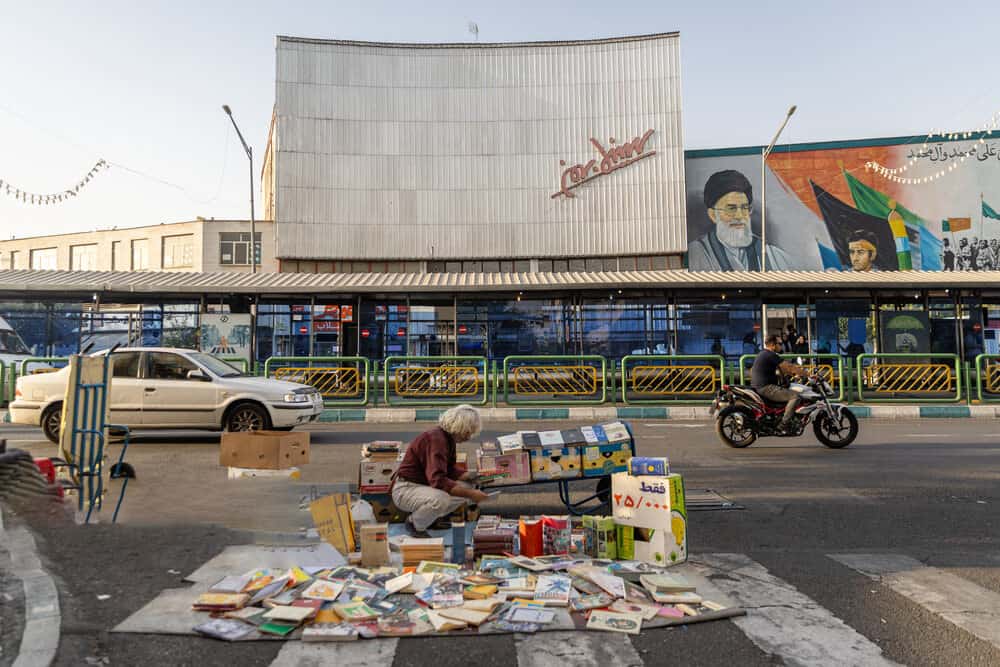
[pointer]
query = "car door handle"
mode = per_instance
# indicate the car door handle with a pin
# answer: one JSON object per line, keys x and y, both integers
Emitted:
{"x": 149, "y": 389}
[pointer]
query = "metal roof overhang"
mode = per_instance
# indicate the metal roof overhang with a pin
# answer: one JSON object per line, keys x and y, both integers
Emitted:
{"x": 48, "y": 284}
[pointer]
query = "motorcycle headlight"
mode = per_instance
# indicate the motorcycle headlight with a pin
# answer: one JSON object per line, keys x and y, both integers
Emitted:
{"x": 296, "y": 398}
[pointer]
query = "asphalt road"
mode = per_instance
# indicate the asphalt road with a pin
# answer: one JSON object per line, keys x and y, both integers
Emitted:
{"x": 923, "y": 492}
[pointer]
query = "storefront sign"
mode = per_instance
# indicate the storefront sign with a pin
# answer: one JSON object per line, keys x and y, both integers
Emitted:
{"x": 609, "y": 160}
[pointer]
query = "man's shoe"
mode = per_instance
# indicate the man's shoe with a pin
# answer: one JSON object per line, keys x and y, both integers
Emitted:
{"x": 441, "y": 524}
{"x": 412, "y": 531}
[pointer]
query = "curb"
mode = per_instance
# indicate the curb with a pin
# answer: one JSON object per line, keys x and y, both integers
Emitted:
{"x": 42, "y": 619}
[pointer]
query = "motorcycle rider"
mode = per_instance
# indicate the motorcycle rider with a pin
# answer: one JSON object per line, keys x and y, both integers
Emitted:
{"x": 764, "y": 377}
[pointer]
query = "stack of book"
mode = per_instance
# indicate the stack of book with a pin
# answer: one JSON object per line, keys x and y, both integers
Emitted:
{"x": 382, "y": 450}
{"x": 416, "y": 549}
{"x": 493, "y": 536}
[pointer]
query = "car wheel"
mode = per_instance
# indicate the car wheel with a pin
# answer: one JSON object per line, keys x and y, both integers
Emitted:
{"x": 51, "y": 421}
{"x": 247, "y": 417}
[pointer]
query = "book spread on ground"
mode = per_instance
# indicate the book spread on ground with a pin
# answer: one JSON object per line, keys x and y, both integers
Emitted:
{"x": 224, "y": 628}
{"x": 329, "y": 632}
{"x": 614, "y": 622}
{"x": 551, "y": 439}
{"x": 553, "y": 589}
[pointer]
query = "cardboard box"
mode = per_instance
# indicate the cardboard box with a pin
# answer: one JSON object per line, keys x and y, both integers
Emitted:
{"x": 654, "y": 515}
{"x": 251, "y": 473}
{"x": 376, "y": 476}
{"x": 515, "y": 465}
{"x": 601, "y": 460}
{"x": 332, "y": 517}
{"x": 555, "y": 463}
{"x": 266, "y": 450}
{"x": 384, "y": 509}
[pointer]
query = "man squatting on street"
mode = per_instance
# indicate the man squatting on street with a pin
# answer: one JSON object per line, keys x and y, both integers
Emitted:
{"x": 427, "y": 485}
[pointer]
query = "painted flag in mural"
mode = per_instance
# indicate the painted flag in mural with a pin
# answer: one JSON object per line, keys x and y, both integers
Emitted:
{"x": 925, "y": 249}
{"x": 829, "y": 257}
{"x": 989, "y": 212}
{"x": 842, "y": 220}
{"x": 959, "y": 224}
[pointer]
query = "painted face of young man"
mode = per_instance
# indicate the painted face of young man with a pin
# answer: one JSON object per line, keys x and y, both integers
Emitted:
{"x": 862, "y": 255}
{"x": 731, "y": 215}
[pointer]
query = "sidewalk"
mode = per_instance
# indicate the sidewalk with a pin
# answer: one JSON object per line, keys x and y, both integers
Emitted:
{"x": 600, "y": 413}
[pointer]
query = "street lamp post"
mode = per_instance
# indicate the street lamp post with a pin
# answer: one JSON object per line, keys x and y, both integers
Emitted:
{"x": 763, "y": 189}
{"x": 253, "y": 225}
{"x": 763, "y": 210}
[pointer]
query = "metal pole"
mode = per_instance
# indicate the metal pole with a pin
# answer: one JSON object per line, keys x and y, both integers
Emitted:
{"x": 763, "y": 189}
{"x": 253, "y": 225}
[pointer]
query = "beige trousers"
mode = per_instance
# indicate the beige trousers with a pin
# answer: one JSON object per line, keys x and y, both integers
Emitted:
{"x": 424, "y": 503}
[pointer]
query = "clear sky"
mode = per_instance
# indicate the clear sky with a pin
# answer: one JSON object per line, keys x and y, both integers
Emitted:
{"x": 141, "y": 84}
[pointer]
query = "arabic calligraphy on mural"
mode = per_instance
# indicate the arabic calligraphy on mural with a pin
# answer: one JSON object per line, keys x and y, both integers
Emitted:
{"x": 609, "y": 160}
{"x": 940, "y": 153}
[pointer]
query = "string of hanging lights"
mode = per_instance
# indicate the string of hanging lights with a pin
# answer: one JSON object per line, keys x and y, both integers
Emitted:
{"x": 53, "y": 198}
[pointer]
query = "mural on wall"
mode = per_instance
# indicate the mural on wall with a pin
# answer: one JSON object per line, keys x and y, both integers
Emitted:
{"x": 826, "y": 211}
{"x": 226, "y": 334}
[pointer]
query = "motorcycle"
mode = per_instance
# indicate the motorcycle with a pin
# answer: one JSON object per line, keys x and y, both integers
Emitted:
{"x": 744, "y": 415}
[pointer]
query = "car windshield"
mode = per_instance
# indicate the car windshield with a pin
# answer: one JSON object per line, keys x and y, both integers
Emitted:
{"x": 10, "y": 343}
{"x": 216, "y": 365}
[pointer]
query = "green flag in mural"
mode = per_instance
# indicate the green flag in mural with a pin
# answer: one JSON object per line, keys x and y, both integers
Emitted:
{"x": 923, "y": 244}
{"x": 988, "y": 212}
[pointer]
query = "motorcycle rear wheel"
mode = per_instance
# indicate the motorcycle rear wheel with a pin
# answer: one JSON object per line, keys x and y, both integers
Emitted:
{"x": 734, "y": 427}
{"x": 836, "y": 435}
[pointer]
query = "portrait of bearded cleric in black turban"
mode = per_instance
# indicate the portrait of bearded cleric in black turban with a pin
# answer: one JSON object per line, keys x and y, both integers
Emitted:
{"x": 731, "y": 244}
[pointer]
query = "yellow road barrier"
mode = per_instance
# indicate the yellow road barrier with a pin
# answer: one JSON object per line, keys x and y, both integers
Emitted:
{"x": 555, "y": 380}
{"x": 911, "y": 378}
{"x": 674, "y": 380}
{"x": 437, "y": 381}
{"x": 330, "y": 381}
{"x": 993, "y": 377}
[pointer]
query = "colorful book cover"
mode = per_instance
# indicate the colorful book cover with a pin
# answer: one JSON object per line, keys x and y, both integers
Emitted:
{"x": 647, "y": 611}
{"x": 323, "y": 590}
{"x": 586, "y": 602}
{"x": 602, "y": 437}
{"x": 289, "y": 614}
{"x": 329, "y": 632}
{"x": 553, "y": 589}
{"x": 221, "y": 601}
{"x": 551, "y": 438}
{"x": 610, "y": 583}
{"x": 268, "y": 591}
{"x": 509, "y": 443}
{"x": 616, "y": 432}
{"x": 276, "y": 628}
{"x": 590, "y": 435}
{"x": 355, "y": 611}
{"x": 538, "y": 615}
{"x": 227, "y": 629}
{"x": 614, "y": 622}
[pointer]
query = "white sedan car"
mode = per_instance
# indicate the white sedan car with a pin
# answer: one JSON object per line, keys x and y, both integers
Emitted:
{"x": 161, "y": 388}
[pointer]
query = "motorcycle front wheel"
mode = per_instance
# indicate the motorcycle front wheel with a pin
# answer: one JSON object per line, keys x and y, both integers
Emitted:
{"x": 734, "y": 426}
{"x": 836, "y": 433}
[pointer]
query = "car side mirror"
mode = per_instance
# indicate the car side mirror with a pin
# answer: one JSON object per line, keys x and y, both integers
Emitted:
{"x": 198, "y": 375}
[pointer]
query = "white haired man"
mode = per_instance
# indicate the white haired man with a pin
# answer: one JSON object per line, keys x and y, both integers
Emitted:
{"x": 427, "y": 484}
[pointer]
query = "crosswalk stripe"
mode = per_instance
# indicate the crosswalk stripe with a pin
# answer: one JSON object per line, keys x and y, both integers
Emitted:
{"x": 969, "y": 606}
{"x": 576, "y": 649}
{"x": 360, "y": 653}
{"x": 781, "y": 620}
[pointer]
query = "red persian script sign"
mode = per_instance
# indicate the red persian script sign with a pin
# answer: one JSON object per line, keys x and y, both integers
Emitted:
{"x": 612, "y": 159}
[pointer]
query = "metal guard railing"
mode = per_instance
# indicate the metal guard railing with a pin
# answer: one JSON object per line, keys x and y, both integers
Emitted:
{"x": 340, "y": 380}
{"x": 555, "y": 379}
{"x": 435, "y": 380}
{"x": 671, "y": 378}
{"x": 899, "y": 377}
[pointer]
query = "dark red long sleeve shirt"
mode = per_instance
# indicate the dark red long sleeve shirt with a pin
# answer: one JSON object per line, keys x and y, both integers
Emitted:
{"x": 430, "y": 460}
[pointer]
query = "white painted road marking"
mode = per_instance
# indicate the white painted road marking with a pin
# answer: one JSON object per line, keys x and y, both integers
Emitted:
{"x": 360, "y": 653}
{"x": 675, "y": 425}
{"x": 971, "y": 607}
{"x": 784, "y": 622}
{"x": 576, "y": 649}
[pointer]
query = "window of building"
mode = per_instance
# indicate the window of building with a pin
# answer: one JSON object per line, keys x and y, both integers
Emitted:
{"x": 83, "y": 257}
{"x": 43, "y": 259}
{"x": 15, "y": 259}
{"x": 119, "y": 258}
{"x": 234, "y": 248}
{"x": 545, "y": 265}
{"x": 140, "y": 254}
{"x": 491, "y": 267}
{"x": 453, "y": 267}
{"x": 626, "y": 263}
{"x": 560, "y": 265}
{"x": 522, "y": 265}
{"x": 178, "y": 251}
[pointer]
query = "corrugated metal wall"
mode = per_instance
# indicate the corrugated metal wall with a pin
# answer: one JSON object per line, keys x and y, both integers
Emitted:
{"x": 418, "y": 152}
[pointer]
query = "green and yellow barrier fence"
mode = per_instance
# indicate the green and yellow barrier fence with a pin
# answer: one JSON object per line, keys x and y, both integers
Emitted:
{"x": 988, "y": 377}
{"x": 687, "y": 378}
{"x": 435, "y": 380}
{"x": 340, "y": 380}
{"x": 829, "y": 367}
{"x": 899, "y": 377}
{"x": 556, "y": 379}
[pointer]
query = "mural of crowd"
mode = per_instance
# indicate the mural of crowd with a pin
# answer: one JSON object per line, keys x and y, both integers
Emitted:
{"x": 826, "y": 210}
